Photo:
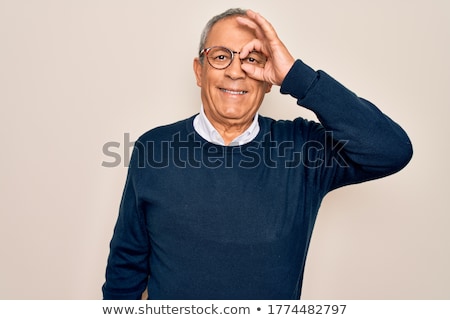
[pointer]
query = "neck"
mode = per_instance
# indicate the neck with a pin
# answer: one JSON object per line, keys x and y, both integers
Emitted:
{"x": 230, "y": 129}
{"x": 230, "y": 133}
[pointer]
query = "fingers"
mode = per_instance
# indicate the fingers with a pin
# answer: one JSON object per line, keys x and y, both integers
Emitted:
{"x": 254, "y": 45}
{"x": 253, "y": 72}
{"x": 279, "y": 60}
{"x": 252, "y": 25}
{"x": 266, "y": 35}
{"x": 262, "y": 27}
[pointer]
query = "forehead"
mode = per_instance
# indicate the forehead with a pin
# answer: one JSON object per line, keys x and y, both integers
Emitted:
{"x": 229, "y": 33}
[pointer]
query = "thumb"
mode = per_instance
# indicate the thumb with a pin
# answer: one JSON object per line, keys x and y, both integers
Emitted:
{"x": 253, "y": 71}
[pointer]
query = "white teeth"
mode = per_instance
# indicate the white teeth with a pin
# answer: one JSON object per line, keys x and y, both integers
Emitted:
{"x": 234, "y": 92}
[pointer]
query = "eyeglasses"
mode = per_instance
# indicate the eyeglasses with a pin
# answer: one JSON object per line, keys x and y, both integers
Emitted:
{"x": 222, "y": 57}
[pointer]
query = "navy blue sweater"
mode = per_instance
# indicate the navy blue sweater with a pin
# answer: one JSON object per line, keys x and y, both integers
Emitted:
{"x": 201, "y": 221}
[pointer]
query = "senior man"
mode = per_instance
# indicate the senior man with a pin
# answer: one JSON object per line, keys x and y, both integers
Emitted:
{"x": 222, "y": 205}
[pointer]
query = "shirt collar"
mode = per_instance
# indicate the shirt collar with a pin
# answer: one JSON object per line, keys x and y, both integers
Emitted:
{"x": 207, "y": 131}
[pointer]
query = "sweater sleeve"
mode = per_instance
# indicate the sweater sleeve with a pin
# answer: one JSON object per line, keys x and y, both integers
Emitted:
{"x": 365, "y": 143}
{"x": 127, "y": 270}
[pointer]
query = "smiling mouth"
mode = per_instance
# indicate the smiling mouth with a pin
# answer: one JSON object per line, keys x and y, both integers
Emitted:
{"x": 233, "y": 92}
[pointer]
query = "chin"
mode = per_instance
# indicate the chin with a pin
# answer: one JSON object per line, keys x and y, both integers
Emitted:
{"x": 233, "y": 113}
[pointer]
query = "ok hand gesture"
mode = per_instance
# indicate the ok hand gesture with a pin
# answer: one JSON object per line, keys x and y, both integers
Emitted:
{"x": 279, "y": 60}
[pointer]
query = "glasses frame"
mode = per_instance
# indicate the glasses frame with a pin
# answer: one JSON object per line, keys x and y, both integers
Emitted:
{"x": 205, "y": 52}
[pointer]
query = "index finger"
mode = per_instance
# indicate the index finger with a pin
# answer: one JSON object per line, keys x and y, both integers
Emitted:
{"x": 263, "y": 28}
{"x": 252, "y": 25}
{"x": 254, "y": 45}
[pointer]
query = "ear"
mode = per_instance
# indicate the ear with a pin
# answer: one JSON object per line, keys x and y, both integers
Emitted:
{"x": 198, "y": 68}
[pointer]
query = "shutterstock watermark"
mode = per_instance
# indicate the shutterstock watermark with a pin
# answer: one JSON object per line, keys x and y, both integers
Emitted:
{"x": 112, "y": 149}
{"x": 186, "y": 151}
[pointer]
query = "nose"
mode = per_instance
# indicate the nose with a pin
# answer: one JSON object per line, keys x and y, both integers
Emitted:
{"x": 234, "y": 70}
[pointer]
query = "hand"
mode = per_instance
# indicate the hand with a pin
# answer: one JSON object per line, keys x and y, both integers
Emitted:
{"x": 279, "y": 60}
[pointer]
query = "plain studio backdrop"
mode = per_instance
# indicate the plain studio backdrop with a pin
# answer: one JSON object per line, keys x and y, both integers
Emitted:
{"x": 81, "y": 80}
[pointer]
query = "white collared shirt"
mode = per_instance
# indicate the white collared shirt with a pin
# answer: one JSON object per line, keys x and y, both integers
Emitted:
{"x": 207, "y": 131}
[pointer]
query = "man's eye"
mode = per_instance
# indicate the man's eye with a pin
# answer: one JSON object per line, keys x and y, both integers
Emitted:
{"x": 252, "y": 60}
{"x": 255, "y": 58}
{"x": 221, "y": 57}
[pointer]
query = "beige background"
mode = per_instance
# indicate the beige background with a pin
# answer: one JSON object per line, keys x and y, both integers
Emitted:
{"x": 75, "y": 75}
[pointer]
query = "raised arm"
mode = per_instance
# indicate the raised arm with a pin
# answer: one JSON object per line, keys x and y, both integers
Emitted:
{"x": 371, "y": 145}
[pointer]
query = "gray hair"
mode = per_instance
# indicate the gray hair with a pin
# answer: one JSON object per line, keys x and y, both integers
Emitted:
{"x": 206, "y": 30}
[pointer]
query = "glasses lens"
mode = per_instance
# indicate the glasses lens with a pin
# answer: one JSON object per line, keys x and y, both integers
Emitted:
{"x": 255, "y": 58}
{"x": 219, "y": 57}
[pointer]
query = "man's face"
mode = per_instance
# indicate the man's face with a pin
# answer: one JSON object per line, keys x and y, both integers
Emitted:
{"x": 229, "y": 96}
